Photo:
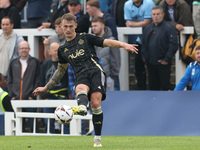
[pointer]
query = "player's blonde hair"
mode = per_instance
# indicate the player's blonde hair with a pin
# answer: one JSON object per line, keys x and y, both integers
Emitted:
{"x": 69, "y": 17}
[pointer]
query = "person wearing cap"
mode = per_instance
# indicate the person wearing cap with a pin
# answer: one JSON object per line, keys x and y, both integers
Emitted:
{"x": 4, "y": 97}
{"x": 82, "y": 20}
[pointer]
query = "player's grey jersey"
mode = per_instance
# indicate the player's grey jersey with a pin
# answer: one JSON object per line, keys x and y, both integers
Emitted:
{"x": 80, "y": 52}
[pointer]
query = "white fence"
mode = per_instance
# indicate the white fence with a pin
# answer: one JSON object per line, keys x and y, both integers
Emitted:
{"x": 13, "y": 122}
{"x": 123, "y": 32}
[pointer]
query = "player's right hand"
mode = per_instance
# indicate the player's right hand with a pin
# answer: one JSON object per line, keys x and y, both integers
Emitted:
{"x": 39, "y": 90}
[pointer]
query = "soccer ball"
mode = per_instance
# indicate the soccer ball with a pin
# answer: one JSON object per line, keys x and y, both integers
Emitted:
{"x": 63, "y": 114}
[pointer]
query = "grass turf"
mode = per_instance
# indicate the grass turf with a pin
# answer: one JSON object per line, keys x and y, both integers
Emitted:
{"x": 108, "y": 142}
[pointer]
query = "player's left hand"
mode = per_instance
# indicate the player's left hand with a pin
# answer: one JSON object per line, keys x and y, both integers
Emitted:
{"x": 130, "y": 48}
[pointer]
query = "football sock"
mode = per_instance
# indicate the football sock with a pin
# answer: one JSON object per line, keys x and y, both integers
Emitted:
{"x": 97, "y": 120}
{"x": 82, "y": 98}
{"x": 97, "y": 137}
{"x": 97, "y": 111}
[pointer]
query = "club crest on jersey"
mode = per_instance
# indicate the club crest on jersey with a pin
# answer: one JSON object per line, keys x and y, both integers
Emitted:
{"x": 65, "y": 50}
{"x": 80, "y": 42}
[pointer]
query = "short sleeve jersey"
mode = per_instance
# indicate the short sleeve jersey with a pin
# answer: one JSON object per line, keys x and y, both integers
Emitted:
{"x": 80, "y": 53}
{"x": 134, "y": 13}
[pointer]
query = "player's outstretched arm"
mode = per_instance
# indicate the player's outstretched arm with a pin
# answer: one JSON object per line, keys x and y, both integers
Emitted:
{"x": 57, "y": 76}
{"x": 117, "y": 44}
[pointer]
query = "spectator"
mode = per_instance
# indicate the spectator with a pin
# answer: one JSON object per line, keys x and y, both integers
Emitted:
{"x": 137, "y": 13}
{"x": 7, "y": 8}
{"x": 93, "y": 9}
{"x": 192, "y": 74}
{"x": 19, "y": 4}
{"x": 23, "y": 77}
{"x": 58, "y": 38}
{"x": 37, "y": 12}
{"x": 58, "y": 9}
{"x": 196, "y": 18}
{"x": 8, "y": 45}
{"x": 190, "y": 4}
{"x": 59, "y": 91}
{"x": 105, "y": 5}
{"x": 159, "y": 46}
{"x": 109, "y": 56}
{"x": 4, "y": 97}
{"x": 117, "y": 11}
{"x": 177, "y": 13}
{"x": 82, "y": 20}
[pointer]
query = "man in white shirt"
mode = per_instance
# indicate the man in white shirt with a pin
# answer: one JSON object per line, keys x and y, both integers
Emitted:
{"x": 8, "y": 45}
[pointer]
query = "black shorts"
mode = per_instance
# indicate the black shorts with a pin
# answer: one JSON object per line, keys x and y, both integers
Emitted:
{"x": 95, "y": 80}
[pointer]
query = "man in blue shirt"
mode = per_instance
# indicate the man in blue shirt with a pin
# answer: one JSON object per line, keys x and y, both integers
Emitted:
{"x": 137, "y": 13}
{"x": 192, "y": 74}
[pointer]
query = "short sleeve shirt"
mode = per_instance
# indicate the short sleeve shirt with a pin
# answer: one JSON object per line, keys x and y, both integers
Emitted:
{"x": 80, "y": 52}
{"x": 134, "y": 13}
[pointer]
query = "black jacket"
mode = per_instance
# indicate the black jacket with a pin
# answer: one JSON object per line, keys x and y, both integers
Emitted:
{"x": 56, "y": 13}
{"x": 23, "y": 86}
{"x": 13, "y": 13}
{"x": 164, "y": 41}
{"x": 83, "y": 22}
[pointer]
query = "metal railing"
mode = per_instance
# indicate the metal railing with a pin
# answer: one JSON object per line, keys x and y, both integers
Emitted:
{"x": 13, "y": 122}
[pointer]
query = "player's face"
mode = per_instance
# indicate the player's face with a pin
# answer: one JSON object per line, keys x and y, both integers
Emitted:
{"x": 197, "y": 56}
{"x": 69, "y": 29}
{"x": 170, "y": 2}
{"x": 157, "y": 16}
{"x": 74, "y": 8}
{"x": 97, "y": 28}
{"x": 24, "y": 50}
{"x": 6, "y": 26}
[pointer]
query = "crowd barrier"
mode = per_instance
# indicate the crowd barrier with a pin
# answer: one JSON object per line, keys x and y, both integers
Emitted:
{"x": 151, "y": 113}
{"x": 123, "y": 32}
{"x": 139, "y": 113}
{"x": 13, "y": 122}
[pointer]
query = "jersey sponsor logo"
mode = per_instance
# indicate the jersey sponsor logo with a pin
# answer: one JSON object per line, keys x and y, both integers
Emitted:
{"x": 80, "y": 42}
{"x": 77, "y": 54}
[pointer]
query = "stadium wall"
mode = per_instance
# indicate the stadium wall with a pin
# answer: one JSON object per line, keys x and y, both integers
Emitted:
{"x": 152, "y": 113}
{"x": 1, "y": 123}
{"x": 149, "y": 113}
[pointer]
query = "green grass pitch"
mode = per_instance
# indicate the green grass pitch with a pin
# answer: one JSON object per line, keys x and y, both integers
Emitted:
{"x": 108, "y": 142}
